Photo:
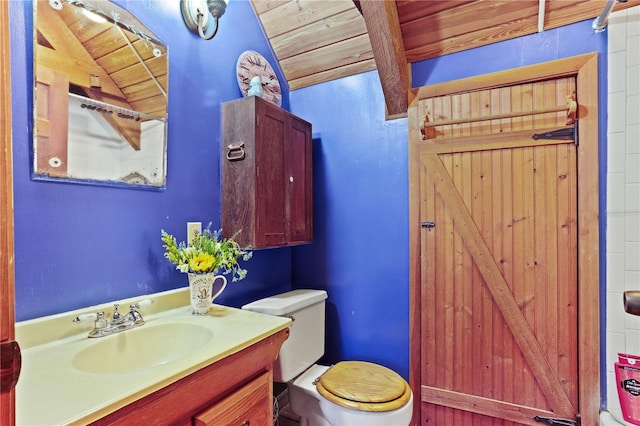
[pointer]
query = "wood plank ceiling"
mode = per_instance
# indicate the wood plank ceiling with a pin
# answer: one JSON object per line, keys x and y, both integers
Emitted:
{"x": 127, "y": 72}
{"x": 320, "y": 40}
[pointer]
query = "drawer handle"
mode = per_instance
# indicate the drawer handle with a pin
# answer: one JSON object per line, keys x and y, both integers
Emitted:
{"x": 245, "y": 423}
{"x": 235, "y": 152}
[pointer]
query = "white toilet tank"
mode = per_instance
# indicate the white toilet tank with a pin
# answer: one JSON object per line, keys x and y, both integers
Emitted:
{"x": 305, "y": 344}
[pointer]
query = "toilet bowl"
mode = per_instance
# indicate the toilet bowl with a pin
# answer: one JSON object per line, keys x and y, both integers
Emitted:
{"x": 304, "y": 397}
{"x": 349, "y": 393}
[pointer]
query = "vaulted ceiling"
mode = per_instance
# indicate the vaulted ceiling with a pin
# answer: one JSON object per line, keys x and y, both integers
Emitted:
{"x": 320, "y": 40}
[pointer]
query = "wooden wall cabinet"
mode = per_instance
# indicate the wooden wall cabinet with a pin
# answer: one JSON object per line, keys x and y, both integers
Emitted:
{"x": 267, "y": 174}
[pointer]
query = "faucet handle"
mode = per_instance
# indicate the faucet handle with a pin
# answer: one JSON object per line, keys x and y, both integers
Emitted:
{"x": 99, "y": 324}
{"x": 133, "y": 310}
{"x": 141, "y": 304}
{"x": 93, "y": 316}
{"x": 101, "y": 321}
{"x": 115, "y": 317}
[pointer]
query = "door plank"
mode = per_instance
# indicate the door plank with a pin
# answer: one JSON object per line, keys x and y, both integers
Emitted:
{"x": 519, "y": 291}
{"x": 446, "y": 356}
{"x": 567, "y": 254}
{"x": 464, "y": 320}
{"x": 496, "y": 284}
{"x": 506, "y": 267}
{"x": 485, "y": 406}
{"x": 428, "y": 296}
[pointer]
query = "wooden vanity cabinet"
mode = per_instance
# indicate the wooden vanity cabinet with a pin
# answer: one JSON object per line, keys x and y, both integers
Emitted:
{"x": 267, "y": 174}
{"x": 236, "y": 390}
{"x": 249, "y": 405}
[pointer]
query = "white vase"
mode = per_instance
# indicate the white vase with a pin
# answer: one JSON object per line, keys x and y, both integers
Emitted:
{"x": 201, "y": 291}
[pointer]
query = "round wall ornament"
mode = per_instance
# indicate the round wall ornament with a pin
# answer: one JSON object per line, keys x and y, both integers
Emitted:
{"x": 252, "y": 64}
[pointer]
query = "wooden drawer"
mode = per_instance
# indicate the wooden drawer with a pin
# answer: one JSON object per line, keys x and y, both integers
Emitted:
{"x": 250, "y": 405}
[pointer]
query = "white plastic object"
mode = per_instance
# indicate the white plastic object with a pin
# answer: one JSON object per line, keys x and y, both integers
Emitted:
{"x": 305, "y": 344}
{"x": 255, "y": 87}
{"x": 193, "y": 228}
{"x": 85, "y": 317}
{"x": 286, "y": 303}
{"x": 56, "y": 4}
{"x": 144, "y": 303}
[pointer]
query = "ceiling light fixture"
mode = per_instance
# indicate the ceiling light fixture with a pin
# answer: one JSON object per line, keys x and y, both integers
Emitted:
{"x": 94, "y": 16}
{"x": 196, "y": 16}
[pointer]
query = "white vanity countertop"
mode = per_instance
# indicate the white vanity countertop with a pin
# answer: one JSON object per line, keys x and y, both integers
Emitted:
{"x": 52, "y": 391}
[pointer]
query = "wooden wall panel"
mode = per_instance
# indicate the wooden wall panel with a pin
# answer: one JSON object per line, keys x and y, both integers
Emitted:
{"x": 347, "y": 52}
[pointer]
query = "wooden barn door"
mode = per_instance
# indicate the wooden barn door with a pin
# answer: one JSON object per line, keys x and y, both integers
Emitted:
{"x": 498, "y": 208}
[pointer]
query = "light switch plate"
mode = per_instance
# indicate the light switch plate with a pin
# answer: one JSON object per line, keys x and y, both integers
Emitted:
{"x": 192, "y": 229}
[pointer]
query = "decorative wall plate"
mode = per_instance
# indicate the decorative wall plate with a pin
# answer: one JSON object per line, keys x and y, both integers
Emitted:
{"x": 250, "y": 64}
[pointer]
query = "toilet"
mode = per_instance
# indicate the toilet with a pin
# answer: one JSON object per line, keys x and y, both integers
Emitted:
{"x": 349, "y": 393}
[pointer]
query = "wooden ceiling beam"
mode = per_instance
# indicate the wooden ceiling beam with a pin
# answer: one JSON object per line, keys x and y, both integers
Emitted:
{"x": 383, "y": 25}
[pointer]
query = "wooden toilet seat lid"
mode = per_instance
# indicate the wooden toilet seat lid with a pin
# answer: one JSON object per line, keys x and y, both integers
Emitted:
{"x": 364, "y": 386}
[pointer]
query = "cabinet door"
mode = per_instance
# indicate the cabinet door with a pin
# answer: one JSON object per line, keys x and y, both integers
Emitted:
{"x": 248, "y": 406}
{"x": 270, "y": 170}
{"x": 300, "y": 181}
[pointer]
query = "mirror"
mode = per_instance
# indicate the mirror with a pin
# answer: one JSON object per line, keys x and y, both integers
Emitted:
{"x": 100, "y": 96}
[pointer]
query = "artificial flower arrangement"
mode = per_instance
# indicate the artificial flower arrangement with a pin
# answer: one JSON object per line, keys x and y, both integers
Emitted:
{"x": 208, "y": 252}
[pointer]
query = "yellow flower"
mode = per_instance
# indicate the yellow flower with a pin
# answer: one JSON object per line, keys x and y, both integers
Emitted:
{"x": 202, "y": 262}
{"x": 208, "y": 252}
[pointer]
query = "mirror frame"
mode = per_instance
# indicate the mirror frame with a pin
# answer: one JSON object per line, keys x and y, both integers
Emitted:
{"x": 113, "y": 84}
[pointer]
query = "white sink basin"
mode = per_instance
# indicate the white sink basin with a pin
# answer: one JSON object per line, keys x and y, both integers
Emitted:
{"x": 102, "y": 375}
{"x": 143, "y": 347}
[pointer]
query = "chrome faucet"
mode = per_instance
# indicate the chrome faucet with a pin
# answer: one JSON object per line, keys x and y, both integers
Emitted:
{"x": 105, "y": 327}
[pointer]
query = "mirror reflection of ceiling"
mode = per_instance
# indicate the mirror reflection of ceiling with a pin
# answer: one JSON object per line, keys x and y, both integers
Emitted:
{"x": 122, "y": 65}
{"x": 100, "y": 96}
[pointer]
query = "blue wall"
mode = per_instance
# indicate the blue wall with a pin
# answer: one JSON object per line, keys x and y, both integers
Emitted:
{"x": 360, "y": 254}
{"x": 78, "y": 245}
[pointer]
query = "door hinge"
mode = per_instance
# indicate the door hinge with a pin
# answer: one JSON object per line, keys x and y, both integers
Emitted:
{"x": 556, "y": 422}
{"x": 569, "y": 133}
{"x": 428, "y": 224}
{"x": 10, "y": 364}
